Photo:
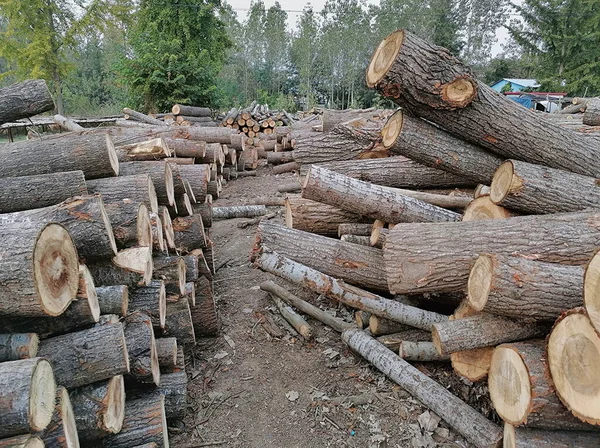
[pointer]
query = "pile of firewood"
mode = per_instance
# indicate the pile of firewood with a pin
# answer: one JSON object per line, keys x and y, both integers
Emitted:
{"x": 181, "y": 115}
{"x": 256, "y": 120}
{"x": 503, "y": 283}
{"x": 106, "y": 271}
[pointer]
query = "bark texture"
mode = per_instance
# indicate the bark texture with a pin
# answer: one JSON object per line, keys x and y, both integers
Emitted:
{"x": 204, "y": 314}
{"x": 24, "y": 99}
{"x": 141, "y": 347}
{"x": 136, "y": 188}
{"x": 18, "y": 346}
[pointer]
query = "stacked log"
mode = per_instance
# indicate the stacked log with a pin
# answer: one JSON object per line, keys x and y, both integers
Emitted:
{"x": 256, "y": 119}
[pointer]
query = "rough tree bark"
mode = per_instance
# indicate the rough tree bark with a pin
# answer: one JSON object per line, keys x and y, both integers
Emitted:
{"x": 25, "y": 99}
{"x": 137, "y": 188}
{"x": 17, "y": 346}
{"x": 141, "y": 348}
{"x": 161, "y": 174}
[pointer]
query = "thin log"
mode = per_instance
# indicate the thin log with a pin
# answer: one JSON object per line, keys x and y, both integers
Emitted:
{"x": 481, "y": 330}
{"x": 439, "y": 256}
{"x": 240, "y": 211}
{"x": 460, "y": 416}
{"x": 293, "y": 318}
{"x": 354, "y": 228}
{"x": 67, "y": 124}
{"x": 43, "y": 190}
{"x": 344, "y": 293}
{"x": 27, "y": 391}
{"x": 380, "y": 327}
{"x": 393, "y": 340}
{"x": 420, "y": 351}
{"x": 142, "y": 117}
{"x": 369, "y": 200}
{"x": 194, "y": 111}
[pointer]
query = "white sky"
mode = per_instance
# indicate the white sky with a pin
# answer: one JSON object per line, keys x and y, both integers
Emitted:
{"x": 294, "y": 9}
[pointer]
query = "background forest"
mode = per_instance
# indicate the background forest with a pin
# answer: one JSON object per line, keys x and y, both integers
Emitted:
{"x": 99, "y": 55}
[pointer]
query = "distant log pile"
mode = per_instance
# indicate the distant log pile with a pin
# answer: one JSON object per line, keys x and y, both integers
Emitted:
{"x": 523, "y": 284}
{"x": 106, "y": 271}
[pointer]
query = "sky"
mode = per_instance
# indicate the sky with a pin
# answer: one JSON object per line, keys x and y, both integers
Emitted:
{"x": 294, "y": 9}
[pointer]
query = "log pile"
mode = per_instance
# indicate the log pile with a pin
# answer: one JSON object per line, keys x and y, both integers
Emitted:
{"x": 512, "y": 301}
{"x": 106, "y": 269}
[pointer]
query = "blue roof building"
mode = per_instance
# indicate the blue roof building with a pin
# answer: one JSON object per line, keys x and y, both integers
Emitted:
{"x": 516, "y": 84}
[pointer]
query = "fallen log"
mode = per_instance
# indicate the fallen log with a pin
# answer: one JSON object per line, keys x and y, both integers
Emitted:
{"x": 136, "y": 188}
{"x": 591, "y": 116}
{"x": 38, "y": 270}
{"x": 138, "y": 116}
{"x": 538, "y": 189}
{"x": 84, "y": 217}
{"x": 460, "y": 416}
{"x": 198, "y": 177}
{"x": 397, "y": 172}
{"x": 17, "y": 346}
{"x": 43, "y": 190}
{"x": 521, "y": 288}
{"x": 167, "y": 223}
{"x": 444, "y": 91}
{"x": 573, "y": 354}
{"x": 285, "y": 168}
{"x": 99, "y": 408}
{"x": 438, "y": 256}
{"x": 204, "y": 314}
{"x": 145, "y": 422}
{"x": 240, "y": 211}
{"x": 67, "y": 123}
{"x": 152, "y": 300}
{"x": 359, "y": 265}
{"x": 131, "y": 267}
{"x": 27, "y": 391}
{"x": 420, "y": 351}
{"x": 338, "y": 290}
{"x": 380, "y": 327}
{"x": 293, "y": 318}
{"x": 101, "y": 349}
{"x": 521, "y": 389}
{"x": 95, "y": 155}
{"x": 186, "y": 148}
{"x": 535, "y": 438}
{"x": 141, "y": 347}
{"x": 430, "y": 145}
{"x": 161, "y": 174}
{"x": 369, "y": 200}
{"x": 332, "y": 117}
{"x": 24, "y": 99}
{"x": 481, "y": 330}
{"x": 62, "y": 430}
{"x": 393, "y": 340}
{"x": 353, "y": 228}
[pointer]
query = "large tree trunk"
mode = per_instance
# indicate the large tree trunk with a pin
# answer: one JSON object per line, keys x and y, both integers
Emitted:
{"x": 535, "y": 438}
{"x": 481, "y": 330}
{"x": 83, "y": 216}
{"x": 360, "y": 265}
{"x": 17, "y": 346}
{"x": 522, "y": 288}
{"x": 141, "y": 347}
{"x": 460, "y": 416}
{"x": 538, "y": 189}
{"x": 62, "y": 430}
{"x": 43, "y": 190}
{"x": 370, "y": 200}
{"x": 130, "y": 222}
{"x": 151, "y": 300}
{"x": 338, "y": 290}
{"x": 444, "y": 91}
{"x": 87, "y": 356}
{"x": 38, "y": 270}
{"x": 398, "y": 172}
{"x": 573, "y": 354}
{"x": 95, "y": 155}
{"x": 25, "y": 99}
{"x": 591, "y": 116}
{"x": 438, "y": 256}
{"x": 27, "y": 391}
{"x": 430, "y": 145}
{"x": 161, "y": 174}
{"x": 99, "y": 408}
{"x": 144, "y": 422}
{"x": 137, "y": 188}
{"x": 521, "y": 389}
{"x": 316, "y": 217}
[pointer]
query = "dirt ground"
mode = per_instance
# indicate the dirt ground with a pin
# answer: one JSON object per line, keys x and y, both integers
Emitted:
{"x": 248, "y": 389}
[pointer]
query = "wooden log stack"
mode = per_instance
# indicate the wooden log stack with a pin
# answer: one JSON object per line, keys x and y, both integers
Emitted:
{"x": 523, "y": 284}
{"x": 106, "y": 264}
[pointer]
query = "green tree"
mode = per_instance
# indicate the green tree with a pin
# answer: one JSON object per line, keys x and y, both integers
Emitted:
{"x": 178, "y": 51}
{"x": 304, "y": 54}
{"x": 39, "y": 34}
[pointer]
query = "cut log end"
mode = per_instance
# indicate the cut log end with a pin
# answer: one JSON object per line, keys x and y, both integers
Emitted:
{"x": 170, "y": 188}
{"x": 56, "y": 269}
{"x": 23, "y": 441}
{"x": 168, "y": 228}
{"x": 484, "y": 208}
{"x": 509, "y": 385}
{"x": 112, "y": 420}
{"x": 473, "y": 365}
{"x": 41, "y": 399}
{"x": 63, "y": 431}
{"x": 591, "y": 290}
{"x": 144, "y": 227}
{"x": 392, "y": 128}
{"x": 153, "y": 197}
{"x": 109, "y": 229}
{"x": 480, "y": 282}
{"x": 459, "y": 92}
{"x": 87, "y": 291}
{"x": 502, "y": 182}
{"x": 112, "y": 155}
{"x": 574, "y": 361}
{"x": 384, "y": 57}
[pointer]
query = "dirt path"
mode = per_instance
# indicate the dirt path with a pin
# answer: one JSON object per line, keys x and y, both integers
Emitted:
{"x": 248, "y": 389}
